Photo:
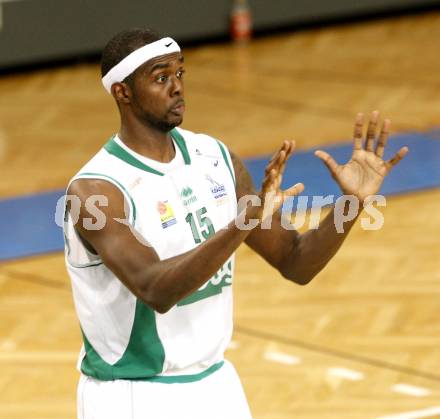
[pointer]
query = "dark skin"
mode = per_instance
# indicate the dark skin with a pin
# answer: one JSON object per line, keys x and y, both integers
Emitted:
{"x": 300, "y": 257}
{"x": 157, "y": 94}
{"x": 148, "y": 105}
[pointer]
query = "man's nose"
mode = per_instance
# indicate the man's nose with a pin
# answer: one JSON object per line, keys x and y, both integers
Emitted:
{"x": 176, "y": 87}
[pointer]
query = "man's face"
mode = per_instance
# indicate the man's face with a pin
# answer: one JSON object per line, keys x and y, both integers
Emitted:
{"x": 158, "y": 97}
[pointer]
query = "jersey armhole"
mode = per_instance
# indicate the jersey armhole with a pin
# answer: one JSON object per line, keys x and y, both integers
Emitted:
{"x": 95, "y": 259}
{"x": 127, "y": 197}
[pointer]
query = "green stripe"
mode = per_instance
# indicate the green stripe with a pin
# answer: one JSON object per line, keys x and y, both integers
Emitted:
{"x": 180, "y": 141}
{"x": 90, "y": 174}
{"x": 226, "y": 160}
{"x": 116, "y": 150}
{"x": 174, "y": 379}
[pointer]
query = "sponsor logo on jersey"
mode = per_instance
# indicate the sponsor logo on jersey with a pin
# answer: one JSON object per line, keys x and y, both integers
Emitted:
{"x": 215, "y": 159}
{"x": 218, "y": 190}
{"x": 187, "y": 196}
{"x": 166, "y": 214}
{"x": 136, "y": 182}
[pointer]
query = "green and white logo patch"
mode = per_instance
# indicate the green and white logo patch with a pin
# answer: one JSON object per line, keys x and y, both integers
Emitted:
{"x": 187, "y": 196}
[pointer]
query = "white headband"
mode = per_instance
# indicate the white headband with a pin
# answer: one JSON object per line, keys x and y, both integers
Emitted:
{"x": 138, "y": 57}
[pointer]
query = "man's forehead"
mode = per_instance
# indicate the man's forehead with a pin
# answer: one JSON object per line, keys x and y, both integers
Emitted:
{"x": 164, "y": 60}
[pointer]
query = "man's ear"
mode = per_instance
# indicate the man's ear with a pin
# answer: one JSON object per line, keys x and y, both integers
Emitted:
{"x": 121, "y": 92}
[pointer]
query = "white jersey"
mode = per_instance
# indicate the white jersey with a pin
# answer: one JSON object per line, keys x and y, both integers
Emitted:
{"x": 174, "y": 207}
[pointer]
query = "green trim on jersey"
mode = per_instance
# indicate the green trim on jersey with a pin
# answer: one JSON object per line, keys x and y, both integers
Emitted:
{"x": 180, "y": 141}
{"x": 89, "y": 175}
{"x": 175, "y": 379}
{"x": 116, "y": 150}
{"x": 143, "y": 358}
{"x": 225, "y": 156}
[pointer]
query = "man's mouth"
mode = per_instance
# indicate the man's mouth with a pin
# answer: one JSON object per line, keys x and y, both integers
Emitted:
{"x": 178, "y": 108}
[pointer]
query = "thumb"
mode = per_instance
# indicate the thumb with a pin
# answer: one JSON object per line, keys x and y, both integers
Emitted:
{"x": 293, "y": 190}
{"x": 328, "y": 161}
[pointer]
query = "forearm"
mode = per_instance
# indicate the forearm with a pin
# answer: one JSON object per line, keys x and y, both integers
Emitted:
{"x": 314, "y": 249}
{"x": 164, "y": 283}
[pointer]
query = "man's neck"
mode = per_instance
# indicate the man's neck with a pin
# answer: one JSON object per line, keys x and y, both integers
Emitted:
{"x": 148, "y": 141}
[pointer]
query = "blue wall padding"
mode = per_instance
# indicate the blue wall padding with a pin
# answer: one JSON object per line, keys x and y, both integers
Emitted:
{"x": 27, "y": 223}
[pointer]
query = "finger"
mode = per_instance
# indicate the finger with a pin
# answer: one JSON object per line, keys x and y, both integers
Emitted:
{"x": 280, "y": 163}
{"x": 276, "y": 154}
{"x": 397, "y": 157}
{"x": 283, "y": 164}
{"x": 383, "y": 138}
{"x": 277, "y": 182}
{"x": 357, "y": 136}
{"x": 371, "y": 131}
{"x": 292, "y": 146}
{"x": 293, "y": 190}
{"x": 289, "y": 152}
{"x": 268, "y": 181}
{"x": 273, "y": 158}
{"x": 276, "y": 157}
{"x": 328, "y": 161}
{"x": 275, "y": 162}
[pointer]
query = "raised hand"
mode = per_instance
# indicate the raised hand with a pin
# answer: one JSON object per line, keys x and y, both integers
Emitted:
{"x": 272, "y": 196}
{"x": 363, "y": 175}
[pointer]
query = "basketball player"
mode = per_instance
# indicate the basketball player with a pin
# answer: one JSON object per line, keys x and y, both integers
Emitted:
{"x": 150, "y": 247}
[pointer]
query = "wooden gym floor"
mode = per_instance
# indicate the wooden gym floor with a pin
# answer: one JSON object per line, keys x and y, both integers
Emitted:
{"x": 363, "y": 339}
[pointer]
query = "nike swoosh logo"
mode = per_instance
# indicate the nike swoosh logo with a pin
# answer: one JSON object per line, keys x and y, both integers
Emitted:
{"x": 167, "y": 45}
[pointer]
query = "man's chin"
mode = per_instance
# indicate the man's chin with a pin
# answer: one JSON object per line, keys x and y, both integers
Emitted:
{"x": 166, "y": 126}
{"x": 176, "y": 121}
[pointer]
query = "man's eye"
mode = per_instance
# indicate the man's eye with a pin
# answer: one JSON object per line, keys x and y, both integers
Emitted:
{"x": 162, "y": 79}
{"x": 180, "y": 73}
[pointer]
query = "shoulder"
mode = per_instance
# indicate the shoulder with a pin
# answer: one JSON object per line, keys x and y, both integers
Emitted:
{"x": 99, "y": 180}
{"x": 104, "y": 171}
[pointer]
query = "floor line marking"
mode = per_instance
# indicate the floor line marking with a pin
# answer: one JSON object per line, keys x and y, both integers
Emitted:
{"x": 281, "y": 358}
{"x": 416, "y": 414}
{"x": 323, "y": 350}
{"x": 410, "y": 390}
{"x": 345, "y": 373}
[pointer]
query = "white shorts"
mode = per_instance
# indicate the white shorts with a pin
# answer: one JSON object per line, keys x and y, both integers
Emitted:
{"x": 218, "y": 396}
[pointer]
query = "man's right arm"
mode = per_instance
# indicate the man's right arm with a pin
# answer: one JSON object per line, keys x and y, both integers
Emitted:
{"x": 160, "y": 284}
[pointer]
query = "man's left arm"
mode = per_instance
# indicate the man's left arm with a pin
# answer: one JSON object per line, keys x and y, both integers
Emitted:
{"x": 299, "y": 257}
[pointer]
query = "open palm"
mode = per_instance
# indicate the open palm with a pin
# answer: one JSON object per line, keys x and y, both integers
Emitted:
{"x": 364, "y": 173}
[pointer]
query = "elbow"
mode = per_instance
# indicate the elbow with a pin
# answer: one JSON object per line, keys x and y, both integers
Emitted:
{"x": 299, "y": 278}
{"x": 157, "y": 303}
{"x": 154, "y": 299}
{"x": 162, "y": 308}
